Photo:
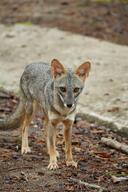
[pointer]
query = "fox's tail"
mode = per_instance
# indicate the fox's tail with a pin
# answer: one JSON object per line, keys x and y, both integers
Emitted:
{"x": 13, "y": 121}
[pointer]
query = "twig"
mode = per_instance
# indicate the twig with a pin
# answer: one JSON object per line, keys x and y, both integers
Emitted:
{"x": 115, "y": 144}
{"x": 119, "y": 179}
{"x": 16, "y": 168}
{"x": 93, "y": 186}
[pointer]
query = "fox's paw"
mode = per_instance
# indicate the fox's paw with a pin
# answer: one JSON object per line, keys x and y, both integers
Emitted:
{"x": 25, "y": 150}
{"x": 71, "y": 163}
{"x": 53, "y": 165}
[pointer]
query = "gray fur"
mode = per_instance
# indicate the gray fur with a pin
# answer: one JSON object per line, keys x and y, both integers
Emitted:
{"x": 38, "y": 84}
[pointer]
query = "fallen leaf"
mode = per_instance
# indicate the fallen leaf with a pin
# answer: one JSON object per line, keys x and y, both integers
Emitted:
{"x": 102, "y": 154}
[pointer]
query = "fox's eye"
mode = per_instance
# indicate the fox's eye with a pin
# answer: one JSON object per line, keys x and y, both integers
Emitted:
{"x": 76, "y": 89}
{"x": 63, "y": 89}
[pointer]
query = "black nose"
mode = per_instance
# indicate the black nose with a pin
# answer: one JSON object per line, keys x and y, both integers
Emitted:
{"x": 69, "y": 105}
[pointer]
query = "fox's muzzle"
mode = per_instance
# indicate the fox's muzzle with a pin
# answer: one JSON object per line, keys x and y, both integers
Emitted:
{"x": 70, "y": 105}
{"x": 68, "y": 101}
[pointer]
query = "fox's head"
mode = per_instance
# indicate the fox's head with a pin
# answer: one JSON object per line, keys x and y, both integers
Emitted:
{"x": 68, "y": 83}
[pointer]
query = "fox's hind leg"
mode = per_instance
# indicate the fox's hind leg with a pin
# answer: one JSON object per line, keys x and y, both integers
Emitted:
{"x": 27, "y": 119}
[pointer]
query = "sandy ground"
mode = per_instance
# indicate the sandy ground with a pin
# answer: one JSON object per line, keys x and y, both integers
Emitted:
{"x": 106, "y": 90}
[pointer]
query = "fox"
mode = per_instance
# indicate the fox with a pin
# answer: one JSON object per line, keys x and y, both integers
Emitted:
{"x": 55, "y": 90}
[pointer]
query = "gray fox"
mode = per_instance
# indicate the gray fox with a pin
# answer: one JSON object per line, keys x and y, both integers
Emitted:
{"x": 55, "y": 90}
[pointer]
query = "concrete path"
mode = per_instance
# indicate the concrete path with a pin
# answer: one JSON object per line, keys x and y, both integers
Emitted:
{"x": 106, "y": 92}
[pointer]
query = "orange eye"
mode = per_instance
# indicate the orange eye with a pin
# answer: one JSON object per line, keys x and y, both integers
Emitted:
{"x": 63, "y": 89}
{"x": 76, "y": 89}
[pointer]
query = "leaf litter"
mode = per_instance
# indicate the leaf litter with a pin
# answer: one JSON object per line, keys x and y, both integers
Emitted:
{"x": 98, "y": 165}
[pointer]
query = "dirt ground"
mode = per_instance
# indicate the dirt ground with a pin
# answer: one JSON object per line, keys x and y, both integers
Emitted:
{"x": 102, "y": 20}
{"x": 97, "y": 164}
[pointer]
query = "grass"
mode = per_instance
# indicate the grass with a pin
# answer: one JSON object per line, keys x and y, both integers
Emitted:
{"x": 27, "y": 23}
{"x": 110, "y": 1}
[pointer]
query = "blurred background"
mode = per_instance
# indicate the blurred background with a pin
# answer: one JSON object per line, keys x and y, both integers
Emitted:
{"x": 104, "y": 19}
{"x": 72, "y": 31}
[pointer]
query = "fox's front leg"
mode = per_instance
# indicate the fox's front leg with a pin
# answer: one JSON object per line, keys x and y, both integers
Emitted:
{"x": 68, "y": 143}
{"x": 51, "y": 144}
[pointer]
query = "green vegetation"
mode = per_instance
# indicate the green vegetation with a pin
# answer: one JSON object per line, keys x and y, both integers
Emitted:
{"x": 103, "y": 1}
{"x": 110, "y": 1}
{"x": 27, "y": 23}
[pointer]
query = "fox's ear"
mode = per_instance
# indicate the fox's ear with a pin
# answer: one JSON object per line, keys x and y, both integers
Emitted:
{"x": 57, "y": 68}
{"x": 83, "y": 70}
